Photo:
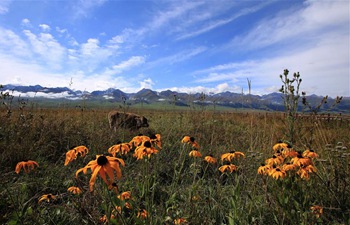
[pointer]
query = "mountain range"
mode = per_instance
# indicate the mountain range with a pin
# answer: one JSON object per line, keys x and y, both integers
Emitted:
{"x": 269, "y": 102}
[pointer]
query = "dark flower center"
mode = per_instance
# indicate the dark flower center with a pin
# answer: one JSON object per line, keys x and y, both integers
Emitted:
{"x": 49, "y": 196}
{"x": 277, "y": 169}
{"x": 114, "y": 184}
{"x": 153, "y": 136}
{"x": 274, "y": 156}
{"x": 102, "y": 160}
{"x": 233, "y": 151}
{"x": 147, "y": 144}
{"x": 192, "y": 139}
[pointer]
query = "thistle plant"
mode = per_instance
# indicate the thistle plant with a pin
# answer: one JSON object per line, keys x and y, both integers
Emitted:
{"x": 290, "y": 91}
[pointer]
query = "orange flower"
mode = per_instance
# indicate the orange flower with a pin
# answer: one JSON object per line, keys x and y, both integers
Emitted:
{"x": 304, "y": 171}
{"x": 82, "y": 150}
{"x": 137, "y": 140}
{"x": 191, "y": 141}
{"x": 275, "y": 160}
{"x": 301, "y": 161}
{"x": 228, "y": 168}
{"x": 231, "y": 155}
{"x": 317, "y": 210}
{"x": 195, "y": 154}
{"x": 142, "y": 214}
{"x": 125, "y": 195}
{"x": 180, "y": 221}
{"x": 72, "y": 154}
{"x": 156, "y": 140}
{"x": 48, "y": 198}
{"x": 103, "y": 165}
{"x": 290, "y": 153}
{"x": 264, "y": 169}
{"x": 145, "y": 149}
{"x": 280, "y": 146}
{"x": 310, "y": 153}
{"x": 26, "y": 165}
{"x": 74, "y": 190}
{"x": 288, "y": 166}
{"x": 210, "y": 159}
{"x": 277, "y": 173}
{"x": 122, "y": 148}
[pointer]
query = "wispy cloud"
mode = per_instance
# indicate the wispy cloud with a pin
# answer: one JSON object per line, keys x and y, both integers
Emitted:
{"x": 83, "y": 8}
{"x": 128, "y": 64}
{"x": 4, "y": 6}
{"x": 313, "y": 40}
{"x": 322, "y": 67}
{"x": 210, "y": 24}
{"x": 305, "y": 24}
{"x": 133, "y": 61}
{"x": 178, "y": 57}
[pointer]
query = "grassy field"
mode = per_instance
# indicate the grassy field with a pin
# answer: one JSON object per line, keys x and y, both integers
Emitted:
{"x": 172, "y": 187}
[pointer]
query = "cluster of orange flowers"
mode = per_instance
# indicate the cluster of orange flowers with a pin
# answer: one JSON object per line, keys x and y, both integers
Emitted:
{"x": 107, "y": 167}
{"x": 285, "y": 159}
{"x": 226, "y": 158}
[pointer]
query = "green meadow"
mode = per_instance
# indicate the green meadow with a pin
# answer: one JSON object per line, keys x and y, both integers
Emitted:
{"x": 199, "y": 165}
{"x": 170, "y": 185}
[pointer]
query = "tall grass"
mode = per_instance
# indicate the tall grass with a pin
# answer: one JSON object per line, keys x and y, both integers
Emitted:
{"x": 170, "y": 185}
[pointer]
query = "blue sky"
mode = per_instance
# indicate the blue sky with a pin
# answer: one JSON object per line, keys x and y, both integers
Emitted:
{"x": 187, "y": 46}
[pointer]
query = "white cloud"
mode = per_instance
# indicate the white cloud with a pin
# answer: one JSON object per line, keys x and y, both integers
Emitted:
{"x": 47, "y": 47}
{"x": 303, "y": 25}
{"x": 90, "y": 55}
{"x": 4, "y": 6}
{"x": 213, "y": 77}
{"x": 147, "y": 83}
{"x": 324, "y": 69}
{"x": 313, "y": 40}
{"x": 45, "y": 27}
{"x": 26, "y": 23}
{"x": 84, "y": 7}
{"x": 212, "y": 24}
{"x": 133, "y": 61}
{"x": 11, "y": 43}
{"x": 177, "y": 57}
{"x": 222, "y": 87}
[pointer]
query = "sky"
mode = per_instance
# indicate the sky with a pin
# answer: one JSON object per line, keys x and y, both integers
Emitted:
{"x": 208, "y": 46}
